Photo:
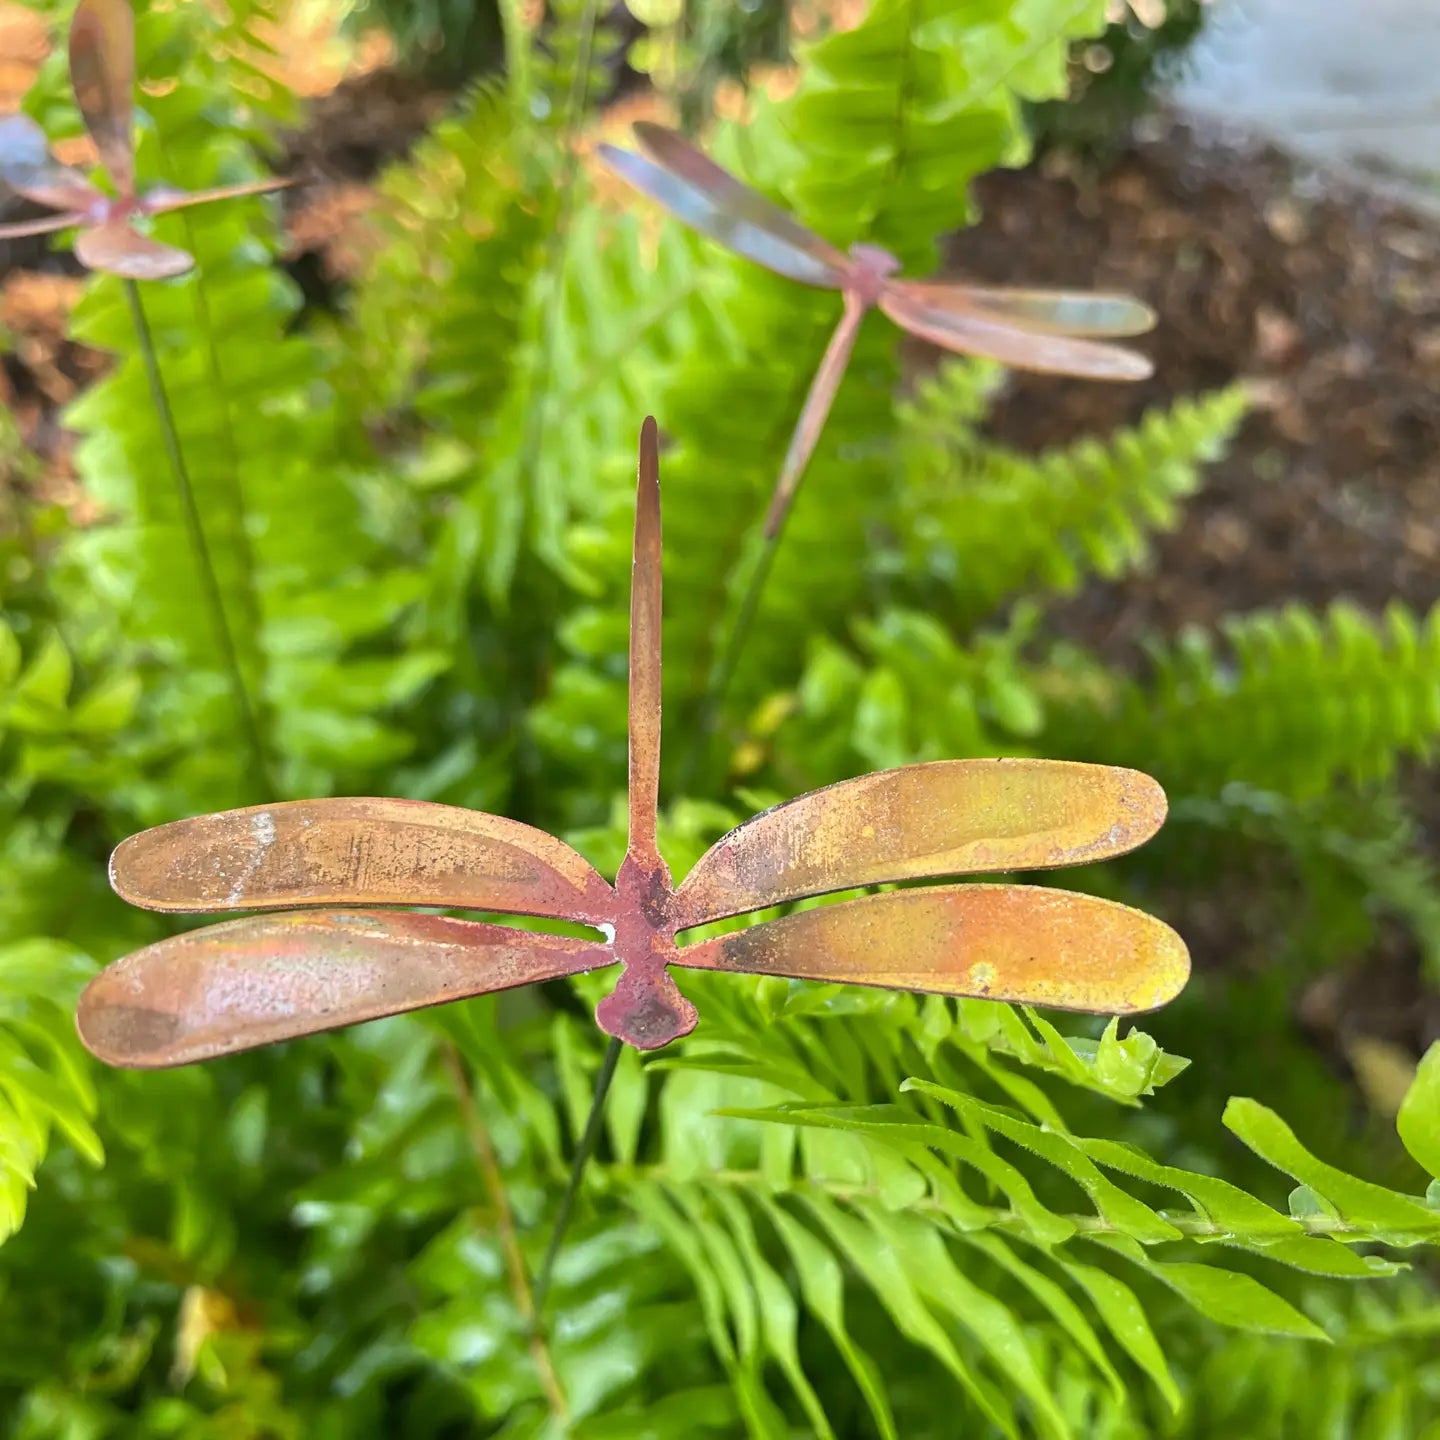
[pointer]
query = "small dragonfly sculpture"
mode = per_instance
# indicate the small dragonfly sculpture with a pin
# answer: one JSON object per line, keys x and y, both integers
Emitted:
{"x": 1027, "y": 329}
{"x": 102, "y": 74}
{"x": 268, "y": 978}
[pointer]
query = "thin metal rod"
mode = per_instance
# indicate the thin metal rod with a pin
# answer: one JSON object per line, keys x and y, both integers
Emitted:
{"x": 708, "y": 721}
{"x": 808, "y": 429}
{"x": 205, "y": 564}
{"x": 577, "y": 1172}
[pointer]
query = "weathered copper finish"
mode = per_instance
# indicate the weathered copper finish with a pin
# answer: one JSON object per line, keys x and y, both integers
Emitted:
{"x": 950, "y": 817}
{"x": 1028, "y": 329}
{"x": 273, "y": 977}
{"x": 357, "y": 852}
{"x": 1001, "y": 942}
{"x": 102, "y": 74}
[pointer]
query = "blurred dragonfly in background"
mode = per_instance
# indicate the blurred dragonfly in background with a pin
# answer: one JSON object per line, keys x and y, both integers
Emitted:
{"x": 102, "y": 74}
{"x": 1028, "y": 329}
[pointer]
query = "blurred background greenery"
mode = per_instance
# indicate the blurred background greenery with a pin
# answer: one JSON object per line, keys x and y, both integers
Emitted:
{"x": 408, "y": 399}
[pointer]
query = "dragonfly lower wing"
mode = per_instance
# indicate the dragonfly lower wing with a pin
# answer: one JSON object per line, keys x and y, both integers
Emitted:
{"x": 1021, "y": 943}
{"x": 119, "y": 250}
{"x": 270, "y": 978}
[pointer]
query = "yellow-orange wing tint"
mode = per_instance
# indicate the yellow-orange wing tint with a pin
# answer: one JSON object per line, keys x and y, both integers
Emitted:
{"x": 950, "y": 817}
{"x": 1021, "y": 943}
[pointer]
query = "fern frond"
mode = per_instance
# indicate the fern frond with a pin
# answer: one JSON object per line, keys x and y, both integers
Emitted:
{"x": 1287, "y": 701}
{"x": 989, "y": 523}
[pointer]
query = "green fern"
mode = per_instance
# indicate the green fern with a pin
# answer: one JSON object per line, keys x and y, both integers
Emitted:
{"x": 990, "y": 524}
{"x": 1289, "y": 701}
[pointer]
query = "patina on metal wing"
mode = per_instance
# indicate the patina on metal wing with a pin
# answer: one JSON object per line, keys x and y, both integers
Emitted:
{"x": 270, "y": 978}
{"x": 1051, "y": 312}
{"x": 357, "y": 852}
{"x": 1022, "y": 943}
{"x": 697, "y": 191}
{"x": 973, "y": 333}
{"x": 948, "y": 817}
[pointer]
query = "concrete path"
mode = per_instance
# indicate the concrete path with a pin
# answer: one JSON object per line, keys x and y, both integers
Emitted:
{"x": 1353, "y": 83}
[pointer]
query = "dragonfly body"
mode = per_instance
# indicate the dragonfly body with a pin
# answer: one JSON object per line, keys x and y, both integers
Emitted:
{"x": 326, "y": 956}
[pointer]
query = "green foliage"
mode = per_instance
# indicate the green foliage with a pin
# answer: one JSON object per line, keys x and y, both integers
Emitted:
{"x": 832, "y": 1211}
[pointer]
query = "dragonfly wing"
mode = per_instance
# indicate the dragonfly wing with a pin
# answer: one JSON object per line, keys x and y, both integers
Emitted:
{"x": 1021, "y": 943}
{"x": 28, "y": 168}
{"x": 165, "y": 198}
{"x": 357, "y": 852}
{"x": 276, "y": 977}
{"x": 949, "y": 817}
{"x": 694, "y": 189}
{"x": 974, "y": 334}
{"x": 102, "y": 72}
{"x": 1051, "y": 312}
{"x": 48, "y": 226}
{"x": 118, "y": 250}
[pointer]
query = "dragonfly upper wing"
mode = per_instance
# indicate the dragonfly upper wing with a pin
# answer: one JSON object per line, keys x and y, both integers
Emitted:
{"x": 29, "y": 169}
{"x": 950, "y": 817}
{"x": 1054, "y": 312}
{"x": 972, "y": 333}
{"x": 102, "y": 72}
{"x": 275, "y": 977}
{"x": 693, "y": 188}
{"x": 357, "y": 852}
{"x": 118, "y": 250}
{"x": 1021, "y": 943}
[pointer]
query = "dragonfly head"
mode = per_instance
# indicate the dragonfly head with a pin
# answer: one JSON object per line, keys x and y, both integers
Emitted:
{"x": 873, "y": 267}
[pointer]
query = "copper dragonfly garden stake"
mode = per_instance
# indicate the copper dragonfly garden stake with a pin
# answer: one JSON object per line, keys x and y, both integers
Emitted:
{"x": 102, "y": 75}
{"x": 274, "y": 977}
{"x": 1028, "y": 329}
{"x": 1048, "y": 330}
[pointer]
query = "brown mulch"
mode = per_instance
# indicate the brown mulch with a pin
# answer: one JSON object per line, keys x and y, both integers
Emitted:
{"x": 1325, "y": 299}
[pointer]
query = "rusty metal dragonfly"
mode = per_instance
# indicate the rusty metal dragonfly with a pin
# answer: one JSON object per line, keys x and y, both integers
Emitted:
{"x": 274, "y": 977}
{"x": 102, "y": 74}
{"x": 1048, "y": 330}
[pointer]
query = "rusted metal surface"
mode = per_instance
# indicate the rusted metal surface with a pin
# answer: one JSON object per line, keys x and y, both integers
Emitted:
{"x": 102, "y": 74}
{"x": 949, "y": 817}
{"x": 1022, "y": 943}
{"x": 275, "y": 977}
{"x": 1025, "y": 328}
{"x": 357, "y": 852}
